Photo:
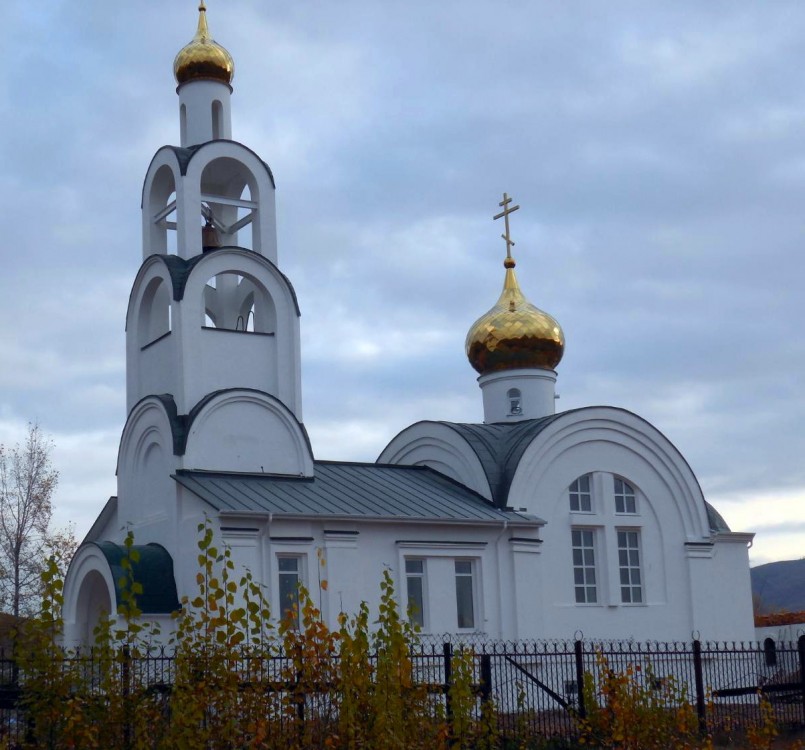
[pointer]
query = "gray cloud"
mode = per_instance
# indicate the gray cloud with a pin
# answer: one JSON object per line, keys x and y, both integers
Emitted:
{"x": 656, "y": 151}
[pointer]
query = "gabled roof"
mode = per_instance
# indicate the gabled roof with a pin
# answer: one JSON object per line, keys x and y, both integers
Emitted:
{"x": 341, "y": 490}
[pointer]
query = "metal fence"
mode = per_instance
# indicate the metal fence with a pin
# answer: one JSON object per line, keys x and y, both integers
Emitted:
{"x": 535, "y": 687}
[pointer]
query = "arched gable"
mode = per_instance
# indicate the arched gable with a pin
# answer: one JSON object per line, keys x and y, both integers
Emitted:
{"x": 245, "y": 263}
{"x": 153, "y": 419}
{"x": 266, "y": 359}
{"x": 89, "y": 592}
{"x": 243, "y": 430}
{"x": 442, "y": 448}
{"x": 92, "y": 586}
{"x": 605, "y": 439}
{"x": 153, "y": 272}
{"x": 147, "y": 459}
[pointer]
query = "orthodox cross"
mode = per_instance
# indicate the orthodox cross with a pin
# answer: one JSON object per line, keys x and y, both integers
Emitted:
{"x": 504, "y": 204}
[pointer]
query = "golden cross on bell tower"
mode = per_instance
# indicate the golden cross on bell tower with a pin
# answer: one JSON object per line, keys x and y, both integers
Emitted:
{"x": 504, "y": 204}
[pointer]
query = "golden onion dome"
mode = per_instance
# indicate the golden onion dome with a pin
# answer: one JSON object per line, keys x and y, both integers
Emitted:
{"x": 203, "y": 57}
{"x": 514, "y": 334}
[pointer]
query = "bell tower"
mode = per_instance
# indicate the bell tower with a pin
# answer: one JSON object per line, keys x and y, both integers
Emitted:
{"x": 212, "y": 328}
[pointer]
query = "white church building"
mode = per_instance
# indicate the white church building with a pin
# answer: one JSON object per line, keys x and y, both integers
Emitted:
{"x": 533, "y": 524}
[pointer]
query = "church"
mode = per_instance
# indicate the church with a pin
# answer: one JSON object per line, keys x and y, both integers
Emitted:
{"x": 532, "y": 525}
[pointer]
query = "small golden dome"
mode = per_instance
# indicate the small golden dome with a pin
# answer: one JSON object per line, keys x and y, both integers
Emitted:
{"x": 203, "y": 57}
{"x": 514, "y": 334}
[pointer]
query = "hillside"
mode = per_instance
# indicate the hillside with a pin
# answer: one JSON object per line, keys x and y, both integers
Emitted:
{"x": 779, "y": 586}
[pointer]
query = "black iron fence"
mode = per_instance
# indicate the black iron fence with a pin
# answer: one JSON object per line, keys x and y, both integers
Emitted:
{"x": 537, "y": 688}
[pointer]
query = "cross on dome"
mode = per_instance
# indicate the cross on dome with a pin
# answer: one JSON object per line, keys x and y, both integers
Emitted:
{"x": 509, "y": 262}
{"x": 514, "y": 334}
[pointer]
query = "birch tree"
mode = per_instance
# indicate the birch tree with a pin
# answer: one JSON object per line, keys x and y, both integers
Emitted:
{"x": 27, "y": 483}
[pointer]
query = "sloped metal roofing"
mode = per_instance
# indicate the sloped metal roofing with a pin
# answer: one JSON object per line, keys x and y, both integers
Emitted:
{"x": 153, "y": 570}
{"x": 350, "y": 490}
{"x": 499, "y": 447}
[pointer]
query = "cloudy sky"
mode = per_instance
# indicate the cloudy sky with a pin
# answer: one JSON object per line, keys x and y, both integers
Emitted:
{"x": 657, "y": 152}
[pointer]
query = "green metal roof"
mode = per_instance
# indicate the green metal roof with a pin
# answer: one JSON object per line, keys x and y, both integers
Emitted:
{"x": 350, "y": 490}
{"x": 154, "y": 571}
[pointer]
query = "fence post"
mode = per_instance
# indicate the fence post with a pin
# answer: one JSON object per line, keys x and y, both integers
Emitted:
{"x": 299, "y": 696}
{"x": 486, "y": 679}
{"x": 801, "y": 649}
{"x": 699, "y": 677}
{"x": 579, "y": 651}
{"x": 125, "y": 676}
{"x": 447, "y": 650}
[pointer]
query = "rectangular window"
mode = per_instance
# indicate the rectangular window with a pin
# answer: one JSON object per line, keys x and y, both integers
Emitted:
{"x": 581, "y": 500}
{"x": 629, "y": 564}
{"x": 464, "y": 594}
{"x": 624, "y": 497}
{"x": 415, "y": 581}
{"x": 584, "y": 579}
{"x": 289, "y": 578}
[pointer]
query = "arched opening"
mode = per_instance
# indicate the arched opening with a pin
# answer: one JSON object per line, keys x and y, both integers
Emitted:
{"x": 183, "y": 124}
{"x": 162, "y": 212}
{"x": 230, "y": 199}
{"x": 154, "y": 319}
{"x": 217, "y": 120}
{"x": 233, "y": 302}
{"x": 93, "y": 604}
{"x": 515, "y": 402}
{"x": 171, "y": 244}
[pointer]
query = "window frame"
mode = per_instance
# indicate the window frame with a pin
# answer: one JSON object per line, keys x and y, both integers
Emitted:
{"x": 300, "y": 574}
{"x": 440, "y": 557}
{"x": 574, "y": 491}
{"x": 515, "y": 402}
{"x": 631, "y": 569}
{"x": 582, "y": 587}
{"x": 473, "y": 592}
{"x": 420, "y": 617}
{"x": 627, "y": 493}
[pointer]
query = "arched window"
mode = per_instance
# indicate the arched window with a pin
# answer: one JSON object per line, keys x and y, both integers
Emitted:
{"x": 515, "y": 399}
{"x": 183, "y": 124}
{"x": 603, "y": 533}
{"x": 217, "y": 120}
